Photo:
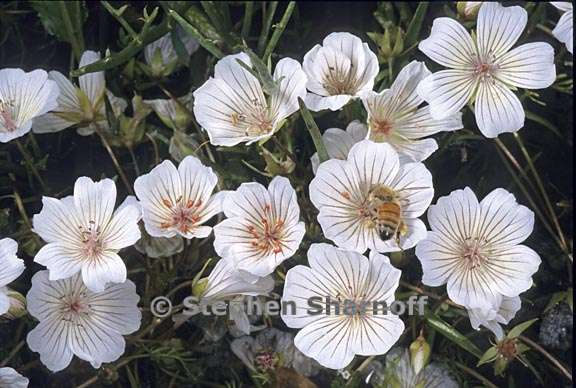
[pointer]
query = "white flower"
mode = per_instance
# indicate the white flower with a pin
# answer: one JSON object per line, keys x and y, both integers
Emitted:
{"x": 85, "y": 234}
{"x": 82, "y": 106}
{"x": 262, "y": 229}
{"x": 10, "y": 268}
{"x": 399, "y": 373}
{"x": 493, "y": 317}
{"x": 77, "y": 321}
{"x": 394, "y": 116}
{"x": 564, "y": 30}
{"x": 178, "y": 201}
{"x": 339, "y": 142}
{"x": 164, "y": 49}
{"x": 272, "y": 349}
{"x": 371, "y": 200}
{"x": 474, "y": 248}
{"x": 9, "y": 378}
{"x": 171, "y": 113}
{"x": 339, "y": 70}
{"x": 349, "y": 279}
{"x": 23, "y": 96}
{"x": 485, "y": 71}
{"x": 233, "y": 108}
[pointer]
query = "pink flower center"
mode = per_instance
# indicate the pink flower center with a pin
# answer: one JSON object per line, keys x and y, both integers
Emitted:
{"x": 265, "y": 361}
{"x": 473, "y": 253}
{"x": 184, "y": 215}
{"x": 268, "y": 234}
{"x": 6, "y": 116}
{"x": 92, "y": 241}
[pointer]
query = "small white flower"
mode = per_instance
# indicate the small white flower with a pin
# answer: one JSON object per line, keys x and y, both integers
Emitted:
{"x": 233, "y": 108}
{"x": 9, "y": 378}
{"x": 272, "y": 349}
{"x": 339, "y": 70}
{"x": 485, "y": 70}
{"x": 564, "y": 30}
{"x": 84, "y": 233}
{"x": 262, "y": 229}
{"x": 77, "y": 321}
{"x": 10, "y": 268}
{"x": 371, "y": 200}
{"x": 338, "y": 142}
{"x": 165, "y": 49}
{"x": 82, "y": 106}
{"x": 178, "y": 201}
{"x": 493, "y": 317}
{"x": 394, "y": 116}
{"x": 333, "y": 337}
{"x": 474, "y": 248}
{"x": 24, "y": 96}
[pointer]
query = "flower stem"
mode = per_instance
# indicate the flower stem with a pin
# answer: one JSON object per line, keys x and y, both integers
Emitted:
{"x": 279, "y": 29}
{"x": 30, "y": 163}
{"x": 551, "y": 358}
{"x": 114, "y": 160}
{"x": 314, "y": 132}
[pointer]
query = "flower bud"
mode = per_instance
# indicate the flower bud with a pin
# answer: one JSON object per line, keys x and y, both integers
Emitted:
{"x": 419, "y": 354}
{"x": 468, "y": 9}
{"x": 17, "y": 305}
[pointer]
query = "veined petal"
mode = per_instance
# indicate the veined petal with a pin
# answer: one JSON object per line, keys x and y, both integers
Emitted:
{"x": 403, "y": 94}
{"x": 498, "y": 110}
{"x": 123, "y": 230}
{"x": 62, "y": 260}
{"x": 197, "y": 181}
{"x": 339, "y": 142}
{"x": 10, "y": 265}
{"x": 292, "y": 86}
{"x": 67, "y": 102}
{"x": 504, "y": 221}
{"x": 376, "y": 334}
{"x": 414, "y": 185}
{"x": 96, "y": 344}
{"x": 447, "y": 91}
{"x": 94, "y": 201}
{"x": 420, "y": 124}
{"x": 564, "y": 30}
{"x": 449, "y": 44}
{"x": 9, "y": 378}
{"x": 511, "y": 269}
{"x": 498, "y": 28}
{"x": 58, "y": 221}
{"x": 92, "y": 84}
{"x": 438, "y": 257}
{"x": 117, "y": 308}
{"x": 317, "y": 103}
{"x": 50, "y": 339}
{"x": 225, "y": 281}
{"x": 109, "y": 268}
{"x": 530, "y": 66}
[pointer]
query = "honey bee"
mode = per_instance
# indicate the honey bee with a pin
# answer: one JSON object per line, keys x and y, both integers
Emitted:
{"x": 385, "y": 209}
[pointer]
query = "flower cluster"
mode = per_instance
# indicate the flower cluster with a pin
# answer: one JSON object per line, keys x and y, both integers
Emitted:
{"x": 370, "y": 195}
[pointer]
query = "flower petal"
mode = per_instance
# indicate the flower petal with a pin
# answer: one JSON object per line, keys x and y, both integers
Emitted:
{"x": 58, "y": 221}
{"x": 62, "y": 260}
{"x": 123, "y": 230}
{"x": 51, "y": 339}
{"x": 10, "y": 265}
{"x": 94, "y": 201}
{"x": 292, "y": 86}
{"x": 447, "y": 91}
{"x": 498, "y": 28}
{"x": 109, "y": 268}
{"x": 449, "y": 44}
{"x": 92, "y": 84}
{"x": 498, "y": 110}
{"x": 414, "y": 184}
{"x": 564, "y": 30}
{"x": 530, "y": 66}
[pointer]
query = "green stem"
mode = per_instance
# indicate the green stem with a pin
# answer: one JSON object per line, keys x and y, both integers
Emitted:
{"x": 279, "y": 29}
{"x": 119, "y": 168}
{"x": 267, "y": 17}
{"x": 189, "y": 28}
{"x": 314, "y": 132}
{"x": 72, "y": 36}
{"x": 30, "y": 163}
{"x": 118, "y": 16}
{"x": 247, "y": 21}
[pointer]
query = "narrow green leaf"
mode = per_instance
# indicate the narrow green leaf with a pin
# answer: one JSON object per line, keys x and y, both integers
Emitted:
{"x": 488, "y": 356}
{"x": 415, "y": 25}
{"x": 268, "y": 16}
{"x": 279, "y": 30}
{"x": 314, "y": 131}
{"x": 247, "y": 21}
{"x": 189, "y": 28}
{"x": 520, "y": 328}
{"x": 453, "y": 335}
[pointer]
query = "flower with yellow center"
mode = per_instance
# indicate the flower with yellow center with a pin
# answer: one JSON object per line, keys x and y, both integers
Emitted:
{"x": 84, "y": 233}
{"x": 334, "y": 337}
{"x": 233, "y": 108}
{"x": 263, "y": 227}
{"x": 485, "y": 70}
{"x": 474, "y": 248}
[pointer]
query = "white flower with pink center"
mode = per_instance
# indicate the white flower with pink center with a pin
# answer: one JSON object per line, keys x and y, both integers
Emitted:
{"x": 474, "y": 248}
{"x": 178, "y": 201}
{"x": 485, "y": 70}
{"x": 77, "y": 321}
{"x": 24, "y": 96}
{"x": 263, "y": 227}
{"x": 85, "y": 234}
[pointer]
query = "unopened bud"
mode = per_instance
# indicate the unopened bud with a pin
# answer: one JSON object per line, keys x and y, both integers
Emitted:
{"x": 419, "y": 354}
{"x": 17, "y": 305}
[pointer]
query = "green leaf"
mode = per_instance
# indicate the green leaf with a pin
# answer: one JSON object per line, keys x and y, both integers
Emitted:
{"x": 314, "y": 131}
{"x": 488, "y": 356}
{"x": 416, "y": 24}
{"x": 202, "y": 40}
{"x": 64, "y": 20}
{"x": 279, "y": 30}
{"x": 452, "y": 334}
{"x": 519, "y": 329}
